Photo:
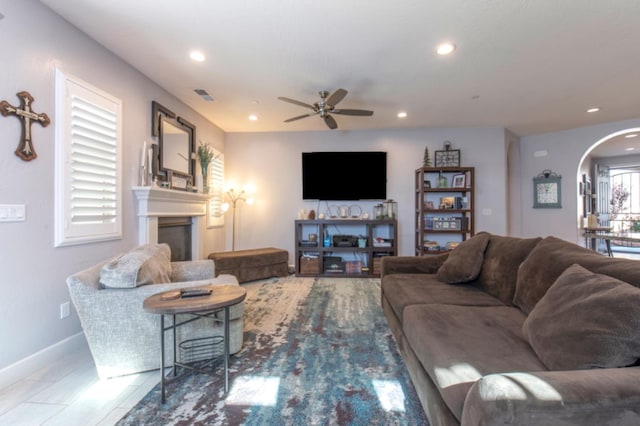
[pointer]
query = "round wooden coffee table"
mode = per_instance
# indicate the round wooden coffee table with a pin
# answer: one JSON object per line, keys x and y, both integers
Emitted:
{"x": 174, "y": 302}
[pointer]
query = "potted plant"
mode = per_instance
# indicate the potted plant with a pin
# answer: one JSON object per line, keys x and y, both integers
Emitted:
{"x": 206, "y": 156}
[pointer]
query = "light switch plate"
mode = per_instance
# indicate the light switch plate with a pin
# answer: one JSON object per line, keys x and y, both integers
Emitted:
{"x": 12, "y": 212}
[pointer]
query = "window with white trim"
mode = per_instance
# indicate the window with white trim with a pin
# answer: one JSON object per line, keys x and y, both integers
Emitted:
{"x": 88, "y": 163}
{"x": 216, "y": 190}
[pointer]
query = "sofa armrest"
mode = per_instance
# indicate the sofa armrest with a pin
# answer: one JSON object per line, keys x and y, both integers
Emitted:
{"x": 608, "y": 396}
{"x": 192, "y": 270}
{"x": 412, "y": 264}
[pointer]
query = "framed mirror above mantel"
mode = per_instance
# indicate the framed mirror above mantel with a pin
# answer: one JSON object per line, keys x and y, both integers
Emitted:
{"x": 176, "y": 142}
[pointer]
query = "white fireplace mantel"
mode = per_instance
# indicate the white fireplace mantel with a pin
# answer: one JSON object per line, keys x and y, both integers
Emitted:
{"x": 153, "y": 203}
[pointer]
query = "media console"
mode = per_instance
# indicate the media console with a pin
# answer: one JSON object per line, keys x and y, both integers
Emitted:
{"x": 343, "y": 247}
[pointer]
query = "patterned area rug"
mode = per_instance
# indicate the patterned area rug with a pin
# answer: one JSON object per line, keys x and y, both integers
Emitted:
{"x": 316, "y": 352}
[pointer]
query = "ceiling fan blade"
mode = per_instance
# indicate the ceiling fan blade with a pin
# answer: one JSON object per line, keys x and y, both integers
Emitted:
{"x": 352, "y": 112}
{"x": 293, "y": 101}
{"x": 336, "y": 97}
{"x": 331, "y": 123}
{"x": 289, "y": 120}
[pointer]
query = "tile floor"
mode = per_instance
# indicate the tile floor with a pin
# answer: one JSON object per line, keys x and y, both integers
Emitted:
{"x": 69, "y": 392}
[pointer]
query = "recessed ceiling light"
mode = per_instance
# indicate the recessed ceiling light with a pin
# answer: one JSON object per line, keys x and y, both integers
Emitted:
{"x": 253, "y": 117}
{"x": 445, "y": 48}
{"x": 197, "y": 56}
{"x": 595, "y": 109}
{"x": 631, "y": 135}
{"x": 402, "y": 114}
{"x": 629, "y": 149}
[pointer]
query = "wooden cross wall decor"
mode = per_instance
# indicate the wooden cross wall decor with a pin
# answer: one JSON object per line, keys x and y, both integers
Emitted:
{"x": 25, "y": 149}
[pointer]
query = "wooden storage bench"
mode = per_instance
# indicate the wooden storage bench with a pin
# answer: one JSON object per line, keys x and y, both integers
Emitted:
{"x": 254, "y": 264}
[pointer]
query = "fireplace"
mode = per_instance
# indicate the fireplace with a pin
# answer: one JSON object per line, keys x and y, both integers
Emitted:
{"x": 159, "y": 205}
{"x": 176, "y": 232}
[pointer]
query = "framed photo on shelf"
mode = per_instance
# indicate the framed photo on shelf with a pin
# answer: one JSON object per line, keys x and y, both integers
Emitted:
{"x": 447, "y": 203}
{"x": 458, "y": 181}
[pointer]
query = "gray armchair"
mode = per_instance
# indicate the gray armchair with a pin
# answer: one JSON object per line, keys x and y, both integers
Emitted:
{"x": 123, "y": 338}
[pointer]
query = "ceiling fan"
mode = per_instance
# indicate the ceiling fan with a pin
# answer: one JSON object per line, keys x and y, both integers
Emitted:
{"x": 325, "y": 106}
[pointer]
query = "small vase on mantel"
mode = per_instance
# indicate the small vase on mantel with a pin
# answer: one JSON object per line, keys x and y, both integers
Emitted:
{"x": 205, "y": 177}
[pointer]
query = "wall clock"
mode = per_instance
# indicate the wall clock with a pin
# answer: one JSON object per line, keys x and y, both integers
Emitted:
{"x": 449, "y": 157}
{"x": 547, "y": 191}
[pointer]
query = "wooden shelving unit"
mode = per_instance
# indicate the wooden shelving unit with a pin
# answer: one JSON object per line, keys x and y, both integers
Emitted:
{"x": 378, "y": 238}
{"x": 444, "y": 215}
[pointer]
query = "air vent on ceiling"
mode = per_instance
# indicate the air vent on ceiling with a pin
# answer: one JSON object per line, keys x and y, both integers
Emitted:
{"x": 204, "y": 95}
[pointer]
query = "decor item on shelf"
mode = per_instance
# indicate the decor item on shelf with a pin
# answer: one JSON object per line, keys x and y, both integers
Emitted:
{"x": 547, "y": 192}
{"x": 302, "y": 214}
{"x": 426, "y": 161}
{"x": 355, "y": 211}
{"x": 344, "y": 211}
{"x": 390, "y": 209}
{"x": 311, "y": 215}
{"x": 378, "y": 212}
{"x": 206, "y": 156}
{"x": 449, "y": 157}
{"x": 442, "y": 182}
{"x": 234, "y": 197}
{"x": 25, "y": 149}
{"x": 458, "y": 181}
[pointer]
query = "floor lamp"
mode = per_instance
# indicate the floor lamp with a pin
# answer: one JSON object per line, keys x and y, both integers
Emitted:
{"x": 234, "y": 198}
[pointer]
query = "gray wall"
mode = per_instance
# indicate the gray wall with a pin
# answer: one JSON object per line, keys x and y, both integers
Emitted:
{"x": 272, "y": 163}
{"x": 566, "y": 151}
{"x": 33, "y": 272}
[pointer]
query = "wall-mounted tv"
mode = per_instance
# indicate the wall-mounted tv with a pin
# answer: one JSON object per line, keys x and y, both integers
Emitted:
{"x": 336, "y": 176}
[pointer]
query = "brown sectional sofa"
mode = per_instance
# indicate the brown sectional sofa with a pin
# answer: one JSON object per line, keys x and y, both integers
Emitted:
{"x": 518, "y": 331}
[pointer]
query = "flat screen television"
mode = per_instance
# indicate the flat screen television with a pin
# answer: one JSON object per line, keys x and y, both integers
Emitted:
{"x": 337, "y": 176}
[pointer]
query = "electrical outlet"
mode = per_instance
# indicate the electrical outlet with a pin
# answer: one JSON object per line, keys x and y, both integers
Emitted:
{"x": 64, "y": 310}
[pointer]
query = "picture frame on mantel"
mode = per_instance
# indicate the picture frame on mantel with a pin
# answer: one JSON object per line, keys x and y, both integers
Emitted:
{"x": 178, "y": 181}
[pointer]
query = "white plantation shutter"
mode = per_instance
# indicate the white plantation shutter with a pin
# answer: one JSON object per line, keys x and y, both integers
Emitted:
{"x": 88, "y": 166}
{"x": 216, "y": 190}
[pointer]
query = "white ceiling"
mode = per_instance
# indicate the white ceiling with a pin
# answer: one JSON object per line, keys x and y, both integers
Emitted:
{"x": 531, "y": 66}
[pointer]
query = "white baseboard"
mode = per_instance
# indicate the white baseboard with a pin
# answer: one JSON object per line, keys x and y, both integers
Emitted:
{"x": 29, "y": 365}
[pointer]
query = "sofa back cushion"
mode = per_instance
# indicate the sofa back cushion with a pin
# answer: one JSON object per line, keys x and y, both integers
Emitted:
{"x": 552, "y": 256}
{"x": 465, "y": 261}
{"x": 146, "y": 264}
{"x": 586, "y": 320}
{"x": 502, "y": 258}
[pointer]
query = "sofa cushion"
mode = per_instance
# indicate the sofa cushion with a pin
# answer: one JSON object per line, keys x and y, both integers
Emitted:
{"x": 586, "y": 320}
{"x": 457, "y": 345}
{"x": 552, "y": 257}
{"x": 502, "y": 258}
{"x": 464, "y": 263}
{"x": 146, "y": 264}
{"x": 402, "y": 290}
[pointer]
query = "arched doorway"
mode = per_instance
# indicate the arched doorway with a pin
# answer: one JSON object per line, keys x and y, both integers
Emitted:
{"x": 609, "y": 192}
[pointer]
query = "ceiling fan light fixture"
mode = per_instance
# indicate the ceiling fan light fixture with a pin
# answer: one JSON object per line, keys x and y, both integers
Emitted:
{"x": 253, "y": 117}
{"x": 402, "y": 114}
{"x": 445, "y": 48}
